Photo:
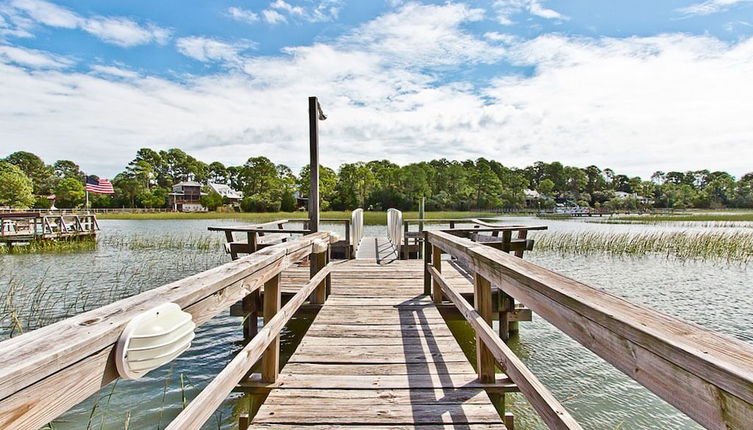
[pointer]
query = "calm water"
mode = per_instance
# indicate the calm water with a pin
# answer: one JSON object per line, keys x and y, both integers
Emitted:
{"x": 125, "y": 262}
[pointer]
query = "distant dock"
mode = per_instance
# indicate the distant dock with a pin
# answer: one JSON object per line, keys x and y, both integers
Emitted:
{"x": 18, "y": 228}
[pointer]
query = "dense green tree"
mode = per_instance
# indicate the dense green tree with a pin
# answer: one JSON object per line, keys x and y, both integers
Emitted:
{"x": 34, "y": 168}
{"x": 546, "y": 187}
{"x": 69, "y": 193}
{"x": 42, "y": 202}
{"x": 327, "y": 184}
{"x": 259, "y": 176}
{"x": 287, "y": 202}
{"x": 217, "y": 173}
{"x": 381, "y": 184}
{"x": 355, "y": 182}
{"x": 212, "y": 200}
{"x": 16, "y": 187}
{"x": 486, "y": 184}
{"x": 127, "y": 187}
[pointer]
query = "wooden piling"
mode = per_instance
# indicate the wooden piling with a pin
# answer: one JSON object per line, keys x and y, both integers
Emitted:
{"x": 318, "y": 261}
{"x": 427, "y": 261}
{"x": 250, "y": 306}
{"x": 436, "y": 258}
{"x": 270, "y": 362}
{"x": 482, "y": 298}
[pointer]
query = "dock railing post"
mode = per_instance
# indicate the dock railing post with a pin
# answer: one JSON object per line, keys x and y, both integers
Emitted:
{"x": 486, "y": 365}
{"x": 318, "y": 261}
{"x": 270, "y": 362}
{"x": 522, "y": 234}
{"x": 427, "y": 261}
{"x": 252, "y": 241}
{"x": 250, "y": 306}
{"x": 482, "y": 300}
{"x": 436, "y": 289}
{"x": 328, "y": 279}
{"x": 406, "y": 249}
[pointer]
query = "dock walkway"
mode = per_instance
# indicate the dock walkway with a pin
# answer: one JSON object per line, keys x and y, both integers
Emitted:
{"x": 378, "y": 354}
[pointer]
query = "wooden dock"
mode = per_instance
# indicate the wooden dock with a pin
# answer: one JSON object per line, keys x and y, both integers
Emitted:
{"x": 378, "y": 354}
{"x": 26, "y": 227}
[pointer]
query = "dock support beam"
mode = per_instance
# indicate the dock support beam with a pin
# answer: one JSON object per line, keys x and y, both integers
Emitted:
{"x": 436, "y": 258}
{"x": 482, "y": 298}
{"x": 318, "y": 261}
{"x": 251, "y": 315}
{"x": 270, "y": 361}
{"x": 427, "y": 262}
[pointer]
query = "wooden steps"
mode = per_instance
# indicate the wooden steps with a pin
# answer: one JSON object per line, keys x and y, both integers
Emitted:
{"x": 378, "y": 355}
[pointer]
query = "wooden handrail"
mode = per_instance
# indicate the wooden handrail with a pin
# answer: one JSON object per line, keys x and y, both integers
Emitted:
{"x": 499, "y": 228}
{"x": 250, "y": 227}
{"x": 551, "y": 411}
{"x": 203, "y": 406}
{"x": 706, "y": 375}
{"x": 47, "y": 371}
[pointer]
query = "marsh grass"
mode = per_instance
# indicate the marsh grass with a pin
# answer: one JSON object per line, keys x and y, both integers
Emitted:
{"x": 714, "y": 246}
{"x": 369, "y": 217}
{"x": 51, "y": 246}
{"x": 746, "y": 216}
{"x": 201, "y": 242}
{"x": 27, "y": 304}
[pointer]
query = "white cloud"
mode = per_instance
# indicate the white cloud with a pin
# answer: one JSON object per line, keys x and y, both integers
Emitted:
{"x": 287, "y": 7}
{"x": 280, "y": 11}
{"x": 272, "y": 16}
{"x": 12, "y": 24}
{"x": 710, "y": 6}
{"x": 124, "y": 32}
{"x": 420, "y": 35}
{"x": 207, "y": 49}
{"x": 32, "y": 58}
{"x": 118, "y": 72}
{"x": 642, "y": 104}
{"x": 116, "y": 30}
{"x": 506, "y": 9}
{"x": 48, "y": 13}
{"x": 504, "y": 38}
{"x": 636, "y": 105}
{"x": 243, "y": 15}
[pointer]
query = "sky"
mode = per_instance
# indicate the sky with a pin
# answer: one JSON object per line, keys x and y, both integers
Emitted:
{"x": 637, "y": 86}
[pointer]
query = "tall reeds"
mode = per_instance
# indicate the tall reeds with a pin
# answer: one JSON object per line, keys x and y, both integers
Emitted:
{"x": 51, "y": 246}
{"x": 730, "y": 246}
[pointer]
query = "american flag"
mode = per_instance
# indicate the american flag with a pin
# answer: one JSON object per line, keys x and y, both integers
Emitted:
{"x": 99, "y": 186}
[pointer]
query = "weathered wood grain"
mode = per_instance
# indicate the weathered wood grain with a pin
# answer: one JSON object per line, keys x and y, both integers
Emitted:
{"x": 378, "y": 353}
{"x": 550, "y": 410}
{"x": 707, "y": 375}
{"x": 211, "y": 397}
{"x": 53, "y": 359}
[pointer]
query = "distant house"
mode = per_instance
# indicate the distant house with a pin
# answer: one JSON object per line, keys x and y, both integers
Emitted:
{"x": 226, "y": 192}
{"x": 300, "y": 201}
{"x": 531, "y": 194}
{"x": 185, "y": 197}
{"x": 640, "y": 199}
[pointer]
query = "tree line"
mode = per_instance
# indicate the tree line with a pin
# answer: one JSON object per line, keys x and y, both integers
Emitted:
{"x": 380, "y": 184}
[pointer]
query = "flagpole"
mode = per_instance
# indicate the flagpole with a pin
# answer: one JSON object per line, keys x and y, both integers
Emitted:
{"x": 86, "y": 178}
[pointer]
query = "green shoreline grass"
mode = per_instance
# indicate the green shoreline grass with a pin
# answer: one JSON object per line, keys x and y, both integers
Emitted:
{"x": 369, "y": 218}
{"x": 50, "y": 246}
{"x": 711, "y": 217}
{"x": 713, "y": 245}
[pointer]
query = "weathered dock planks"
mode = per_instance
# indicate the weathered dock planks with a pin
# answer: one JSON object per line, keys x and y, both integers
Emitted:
{"x": 380, "y": 355}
